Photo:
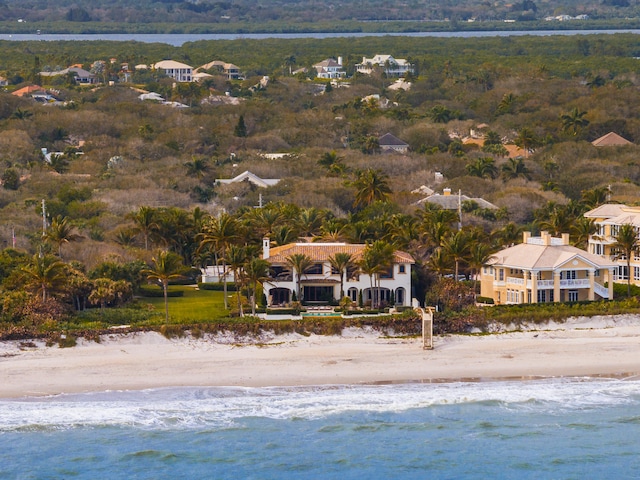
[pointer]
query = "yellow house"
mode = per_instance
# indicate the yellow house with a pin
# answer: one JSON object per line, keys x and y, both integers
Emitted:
{"x": 608, "y": 219}
{"x": 546, "y": 269}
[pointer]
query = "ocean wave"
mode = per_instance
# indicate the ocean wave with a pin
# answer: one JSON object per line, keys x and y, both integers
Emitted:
{"x": 224, "y": 408}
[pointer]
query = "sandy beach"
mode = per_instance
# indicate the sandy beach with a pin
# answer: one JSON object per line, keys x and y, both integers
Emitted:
{"x": 600, "y": 346}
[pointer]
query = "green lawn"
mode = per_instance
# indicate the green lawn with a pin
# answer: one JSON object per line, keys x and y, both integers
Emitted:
{"x": 195, "y": 306}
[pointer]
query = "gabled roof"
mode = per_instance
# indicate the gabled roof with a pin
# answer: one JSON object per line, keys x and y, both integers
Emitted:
{"x": 329, "y": 62}
{"x": 218, "y": 63}
{"x": 389, "y": 140}
{"x": 608, "y": 210}
{"x": 545, "y": 257}
{"x": 170, "y": 64}
{"x": 450, "y": 202}
{"x": 611, "y": 139}
{"x": 320, "y": 252}
{"x": 251, "y": 177}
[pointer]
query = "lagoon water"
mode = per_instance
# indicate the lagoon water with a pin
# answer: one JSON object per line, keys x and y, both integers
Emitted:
{"x": 552, "y": 428}
{"x": 177, "y": 40}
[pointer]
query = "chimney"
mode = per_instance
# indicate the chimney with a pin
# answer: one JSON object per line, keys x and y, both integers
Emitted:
{"x": 340, "y": 61}
{"x": 446, "y": 192}
{"x": 546, "y": 238}
{"x": 525, "y": 237}
{"x": 265, "y": 248}
{"x": 565, "y": 239}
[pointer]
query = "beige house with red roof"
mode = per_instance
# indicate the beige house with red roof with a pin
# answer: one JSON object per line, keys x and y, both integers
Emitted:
{"x": 321, "y": 284}
{"x": 546, "y": 269}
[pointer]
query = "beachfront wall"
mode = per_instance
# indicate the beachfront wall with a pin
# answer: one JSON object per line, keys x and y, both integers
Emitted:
{"x": 546, "y": 269}
{"x": 320, "y": 284}
{"x": 608, "y": 219}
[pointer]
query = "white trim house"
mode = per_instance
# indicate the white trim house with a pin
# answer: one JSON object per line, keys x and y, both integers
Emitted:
{"x": 392, "y": 67}
{"x": 546, "y": 269}
{"x": 320, "y": 284}
{"x": 330, "y": 69}
{"x": 180, "y": 72}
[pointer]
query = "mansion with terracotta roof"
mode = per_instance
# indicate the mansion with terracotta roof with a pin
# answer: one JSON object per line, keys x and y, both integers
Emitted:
{"x": 321, "y": 284}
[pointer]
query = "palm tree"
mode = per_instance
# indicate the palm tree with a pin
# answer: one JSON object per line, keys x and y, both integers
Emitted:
{"x": 456, "y": 246}
{"x": 300, "y": 263}
{"x": 221, "y": 232}
{"x": 44, "y": 275}
{"x": 507, "y": 103}
{"x": 483, "y": 167}
{"x": 573, "y": 121}
{"x": 595, "y": 197}
{"x": 377, "y": 257}
{"x": 370, "y": 145}
{"x": 145, "y": 220}
{"x": 343, "y": 263}
{"x": 479, "y": 255}
{"x": 492, "y": 138}
{"x": 559, "y": 221}
{"x": 197, "y": 167}
{"x": 59, "y": 232}
{"x": 236, "y": 259}
{"x": 581, "y": 229}
{"x": 526, "y": 140}
{"x": 166, "y": 266}
{"x": 514, "y": 168}
{"x": 626, "y": 244}
{"x": 440, "y": 114}
{"x": 255, "y": 271}
{"x": 371, "y": 185}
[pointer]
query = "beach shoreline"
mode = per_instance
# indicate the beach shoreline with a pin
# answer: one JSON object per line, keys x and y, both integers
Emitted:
{"x": 605, "y": 346}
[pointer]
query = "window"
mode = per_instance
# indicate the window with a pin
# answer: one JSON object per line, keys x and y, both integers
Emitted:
{"x": 402, "y": 269}
{"x": 568, "y": 275}
{"x": 315, "y": 269}
{"x": 542, "y": 296}
{"x": 501, "y": 274}
{"x": 573, "y": 295}
{"x": 636, "y": 273}
{"x": 352, "y": 293}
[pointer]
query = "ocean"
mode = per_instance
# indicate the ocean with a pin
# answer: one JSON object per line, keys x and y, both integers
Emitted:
{"x": 550, "y": 428}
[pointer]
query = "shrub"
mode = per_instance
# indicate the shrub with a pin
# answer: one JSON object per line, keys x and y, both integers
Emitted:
{"x": 155, "y": 292}
{"x": 218, "y": 287}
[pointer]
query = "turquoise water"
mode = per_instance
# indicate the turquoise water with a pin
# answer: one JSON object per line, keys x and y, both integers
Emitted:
{"x": 563, "y": 428}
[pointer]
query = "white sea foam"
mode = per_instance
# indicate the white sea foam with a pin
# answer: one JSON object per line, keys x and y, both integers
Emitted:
{"x": 222, "y": 407}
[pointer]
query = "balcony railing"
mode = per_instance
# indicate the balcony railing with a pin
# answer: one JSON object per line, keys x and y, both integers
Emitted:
{"x": 601, "y": 290}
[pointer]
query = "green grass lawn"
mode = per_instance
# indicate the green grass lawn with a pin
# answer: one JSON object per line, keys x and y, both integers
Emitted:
{"x": 195, "y": 306}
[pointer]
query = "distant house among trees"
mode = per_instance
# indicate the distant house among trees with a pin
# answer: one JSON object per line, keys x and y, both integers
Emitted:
{"x": 330, "y": 68}
{"x": 611, "y": 139}
{"x": 391, "y": 143}
{"x": 453, "y": 202}
{"x": 231, "y": 71}
{"x": 250, "y": 177}
{"x": 180, "y": 72}
{"x": 80, "y": 75}
{"x": 392, "y": 67}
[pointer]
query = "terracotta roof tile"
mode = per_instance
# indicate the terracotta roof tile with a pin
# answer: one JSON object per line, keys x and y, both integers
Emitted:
{"x": 320, "y": 252}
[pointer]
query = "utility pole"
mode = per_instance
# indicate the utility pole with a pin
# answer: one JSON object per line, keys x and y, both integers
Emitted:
{"x": 44, "y": 218}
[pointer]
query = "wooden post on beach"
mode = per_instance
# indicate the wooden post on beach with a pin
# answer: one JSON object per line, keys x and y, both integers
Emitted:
{"x": 427, "y": 327}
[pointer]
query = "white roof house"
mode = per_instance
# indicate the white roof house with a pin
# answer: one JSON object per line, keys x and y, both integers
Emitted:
{"x": 250, "y": 177}
{"x": 330, "y": 68}
{"x": 393, "y": 67}
{"x": 180, "y": 72}
{"x": 231, "y": 71}
{"x": 546, "y": 269}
